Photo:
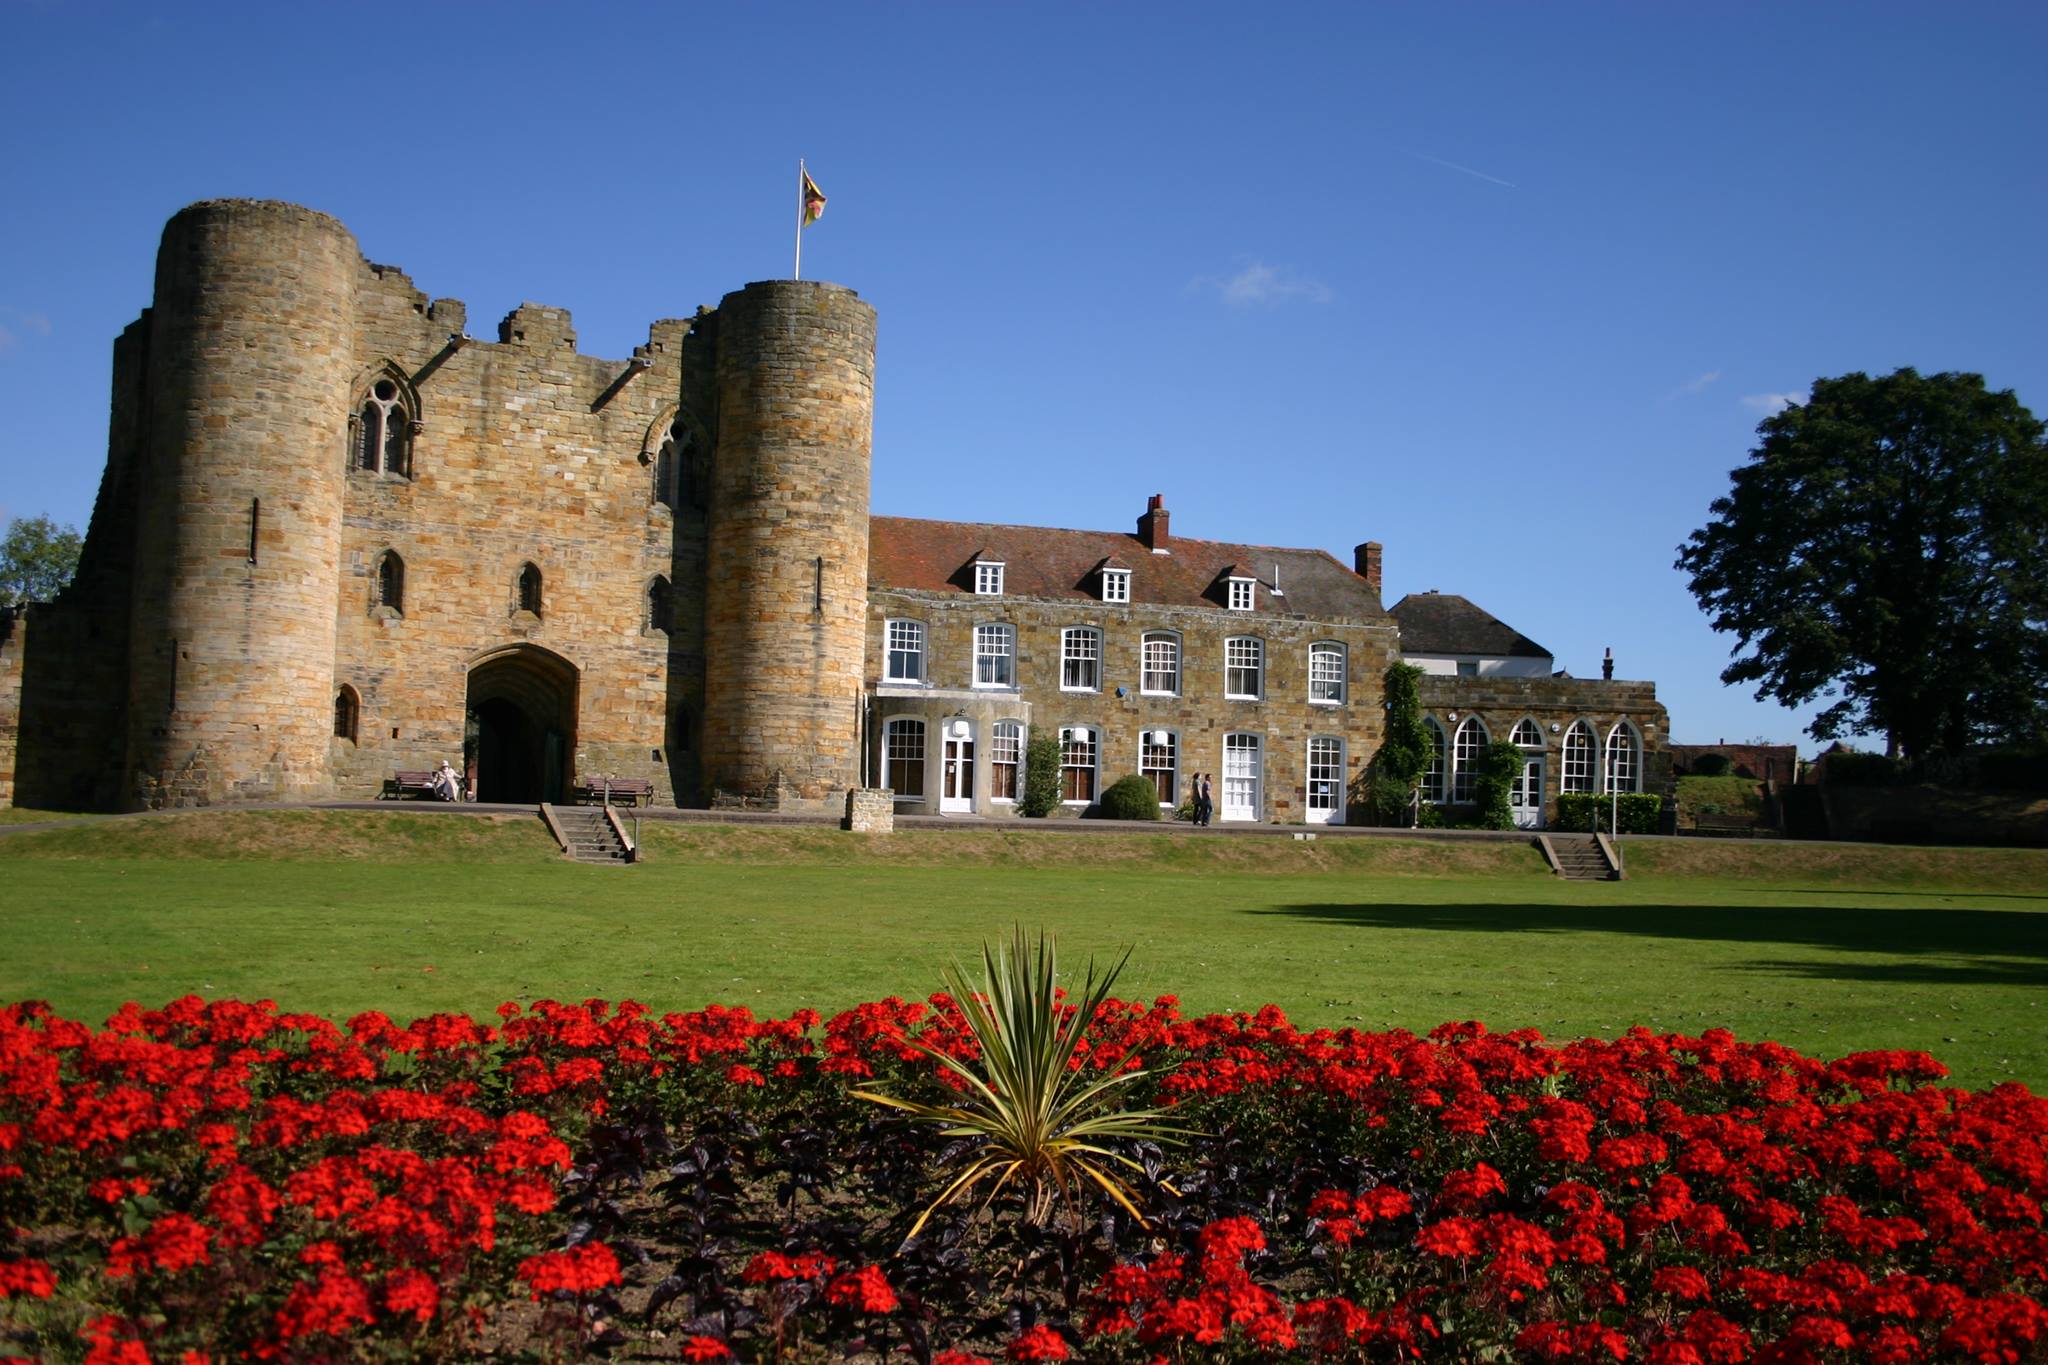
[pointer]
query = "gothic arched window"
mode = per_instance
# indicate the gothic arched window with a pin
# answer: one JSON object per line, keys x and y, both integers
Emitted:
{"x": 391, "y": 581}
{"x": 382, "y": 441}
{"x": 347, "y": 713}
{"x": 660, "y": 604}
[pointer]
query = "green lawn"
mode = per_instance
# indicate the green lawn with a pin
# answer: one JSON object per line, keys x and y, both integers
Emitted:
{"x": 1829, "y": 949}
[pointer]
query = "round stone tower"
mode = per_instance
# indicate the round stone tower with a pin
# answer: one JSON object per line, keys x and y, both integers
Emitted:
{"x": 787, "y": 560}
{"x": 250, "y": 358}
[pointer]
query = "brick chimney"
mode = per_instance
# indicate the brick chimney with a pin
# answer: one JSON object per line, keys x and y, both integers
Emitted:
{"x": 1152, "y": 526}
{"x": 1366, "y": 560}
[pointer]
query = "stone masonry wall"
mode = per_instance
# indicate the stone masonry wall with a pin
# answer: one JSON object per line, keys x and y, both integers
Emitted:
{"x": 787, "y": 554}
{"x": 231, "y": 641}
{"x": 1199, "y": 717}
{"x": 527, "y": 452}
{"x": 1554, "y": 704}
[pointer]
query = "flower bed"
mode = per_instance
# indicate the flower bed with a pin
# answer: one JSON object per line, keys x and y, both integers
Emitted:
{"x": 217, "y": 1181}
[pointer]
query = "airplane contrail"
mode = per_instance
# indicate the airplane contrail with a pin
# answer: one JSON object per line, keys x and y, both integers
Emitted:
{"x": 1452, "y": 165}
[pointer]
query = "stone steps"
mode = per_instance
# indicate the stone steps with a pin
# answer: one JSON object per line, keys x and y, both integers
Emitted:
{"x": 1579, "y": 858}
{"x": 587, "y": 837}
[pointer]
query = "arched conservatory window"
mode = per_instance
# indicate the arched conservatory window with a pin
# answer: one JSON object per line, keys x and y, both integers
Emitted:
{"x": 1624, "y": 759}
{"x": 1465, "y": 748}
{"x": 1578, "y": 758}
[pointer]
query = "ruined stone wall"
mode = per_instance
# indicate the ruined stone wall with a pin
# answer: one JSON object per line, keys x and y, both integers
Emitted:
{"x": 1199, "y": 717}
{"x": 526, "y": 452}
{"x": 788, "y": 542}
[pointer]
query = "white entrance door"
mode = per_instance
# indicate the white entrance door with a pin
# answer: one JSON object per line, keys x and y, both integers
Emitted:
{"x": 1526, "y": 797}
{"x": 956, "y": 783}
{"x": 1326, "y": 782}
{"x": 1241, "y": 778}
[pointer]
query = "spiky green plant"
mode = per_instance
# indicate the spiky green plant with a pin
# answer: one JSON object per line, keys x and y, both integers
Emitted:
{"x": 1044, "y": 1127}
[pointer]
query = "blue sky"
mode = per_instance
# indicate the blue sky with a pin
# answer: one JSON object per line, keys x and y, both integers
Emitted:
{"x": 1506, "y": 288}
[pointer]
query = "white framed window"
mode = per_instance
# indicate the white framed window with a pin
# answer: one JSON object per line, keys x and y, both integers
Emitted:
{"x": 1244, "y": 775}
{"x": 1244, "y": 668}
{"x": 903, "y": 757}
{"x": 1159, "y": 674}
{"x": 1005, "y": 760}
{"x": 1079, "y": 752}
{"x": 1528, "y": 734}
{"x": 1116, "y": 585}
{"x": 995, "y": 656}
{"x": 1577, "y": 773}
{"x": 905, "y": 651}
{"x": 988, "y": 577}
{"x": 1465, "y": 749}
{"x": 1624, "y": 759}
{"x": 1326, "y": 673}
{"x": 1433, "y": 787}
{"x": 1325, "y": 781}
{"x": 1080, "y": 659}
{"x": 1244, "y": 594}
{"x": 1159, "y": 759}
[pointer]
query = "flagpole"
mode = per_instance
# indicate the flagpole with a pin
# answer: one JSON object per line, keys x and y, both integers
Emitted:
{"x": 798, "y": 273}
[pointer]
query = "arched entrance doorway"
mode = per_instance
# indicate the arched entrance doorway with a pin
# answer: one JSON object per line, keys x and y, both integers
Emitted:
{"x": 521, "y": 724}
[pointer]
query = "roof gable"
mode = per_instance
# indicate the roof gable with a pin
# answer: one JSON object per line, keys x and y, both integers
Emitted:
{"x": 1445, "y": 623}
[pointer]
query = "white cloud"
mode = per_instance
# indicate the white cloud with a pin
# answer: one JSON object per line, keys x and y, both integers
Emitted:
{"x": 1259, "y": 285}
{"x": 1698, "y": 384}
{"x": 1769, "y": 403}
{"x": 35, "y": 324}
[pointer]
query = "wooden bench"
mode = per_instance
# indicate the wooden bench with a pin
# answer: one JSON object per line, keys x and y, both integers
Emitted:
{"x": 1725, "y": 826}
{"x": 406, "y": 782}
{"x": 625, "y": 791}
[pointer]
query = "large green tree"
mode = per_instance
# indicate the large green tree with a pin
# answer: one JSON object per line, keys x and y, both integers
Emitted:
{"x": 37, "y": 559}
{"x": 1886, "y": 547}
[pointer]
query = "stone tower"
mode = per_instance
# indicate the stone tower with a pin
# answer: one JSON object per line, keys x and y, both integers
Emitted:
{"x": 246, "y": 388}
{"x": 787, "y": 560}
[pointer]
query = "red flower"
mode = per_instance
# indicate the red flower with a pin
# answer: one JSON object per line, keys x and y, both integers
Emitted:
{"x": 33, "y": 1279}
{"x": 1451, "y": 1237}
{"x": 1040, "y": 1343}
{"x": 173, "y": 1243}
{"x": 411, "y": 1291}
{"x": 329, "y": 1306}
{"x": 706, "y": 1349}
{"x": 865, "y": 1290}
{"x": 579, "y": 1270}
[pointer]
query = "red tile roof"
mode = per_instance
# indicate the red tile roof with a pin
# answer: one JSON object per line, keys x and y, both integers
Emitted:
{"x": 1045, "y": 562}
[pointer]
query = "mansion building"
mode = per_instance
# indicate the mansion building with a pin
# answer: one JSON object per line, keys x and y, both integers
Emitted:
{"x": 338, "y": 537}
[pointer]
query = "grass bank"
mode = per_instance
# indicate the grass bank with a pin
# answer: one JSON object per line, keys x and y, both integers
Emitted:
{"x": 1828, "y": 948}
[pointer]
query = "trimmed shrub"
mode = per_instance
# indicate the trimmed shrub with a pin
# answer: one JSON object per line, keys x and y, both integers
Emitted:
{"x": 1584, "y": 812}
{"x": 1041, "y": 776}
{"x": 1713, "y": 765}
{"x": 1130, "y": 798}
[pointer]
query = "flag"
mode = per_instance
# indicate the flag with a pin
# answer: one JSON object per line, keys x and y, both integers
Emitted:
{"x": 814, "y": 199}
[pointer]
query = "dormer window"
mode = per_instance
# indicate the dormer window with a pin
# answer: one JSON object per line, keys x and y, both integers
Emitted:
{"x": 1243, "y": 594}
{"x": 1116, "y": 585}
{"x": 988, "y": 577}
